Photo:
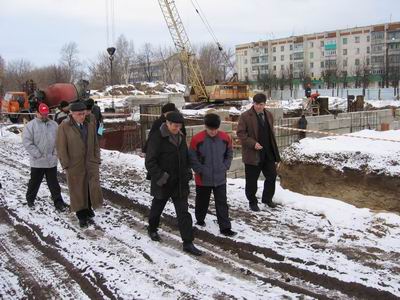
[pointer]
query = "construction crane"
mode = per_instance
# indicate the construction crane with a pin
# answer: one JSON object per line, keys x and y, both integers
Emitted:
{"x": 182, "y": 44}
{"x": 231, "y": 90}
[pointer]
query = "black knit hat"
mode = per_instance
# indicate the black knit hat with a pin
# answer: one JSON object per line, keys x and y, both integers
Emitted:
{"x": 168, "y": 107}
{"x": 77, "y": 106}
{"x": 89, "y": 103}
{"x": 212, "y": 121}
{"x": 64, "y": 104}
{"x": 175, "y": 117}
{"x": 259, "y": 98}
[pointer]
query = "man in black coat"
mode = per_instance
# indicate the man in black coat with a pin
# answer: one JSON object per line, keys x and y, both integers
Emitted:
{"x": 167, "y": 108}
{"x": 167, "y": 163}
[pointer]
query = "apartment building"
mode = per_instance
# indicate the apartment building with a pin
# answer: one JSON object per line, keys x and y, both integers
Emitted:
{"x": 347, "y": 57}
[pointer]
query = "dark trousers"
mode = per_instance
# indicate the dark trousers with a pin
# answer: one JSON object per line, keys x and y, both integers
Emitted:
{"x": 252, "y": 173}
{"x": 35, "y": 181}
{"x": 87, "y": 212}
{"x": 203, "y": 194}
{"x": 181, "y": 209}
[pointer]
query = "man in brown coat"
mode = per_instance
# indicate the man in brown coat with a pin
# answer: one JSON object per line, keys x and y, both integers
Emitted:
{"x": 259, "y": 151}
{"x": 79, "y": 153}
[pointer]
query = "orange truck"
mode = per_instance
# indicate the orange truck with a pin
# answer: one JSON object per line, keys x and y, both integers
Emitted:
{"x": 16, "y": 104}
{"x": 13, "y": 104}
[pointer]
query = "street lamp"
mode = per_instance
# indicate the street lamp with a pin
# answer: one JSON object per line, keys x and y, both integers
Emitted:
{"x": 111, "y": 51}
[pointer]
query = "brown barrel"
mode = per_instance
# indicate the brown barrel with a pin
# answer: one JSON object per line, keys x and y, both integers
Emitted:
{"x": 58, "y": 92}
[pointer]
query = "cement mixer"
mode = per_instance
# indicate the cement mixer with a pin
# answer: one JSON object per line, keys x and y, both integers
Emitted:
{"x": 19, "y": 105}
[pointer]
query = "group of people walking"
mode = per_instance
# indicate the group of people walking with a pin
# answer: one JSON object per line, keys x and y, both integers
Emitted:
{"x": 169, "y": 163}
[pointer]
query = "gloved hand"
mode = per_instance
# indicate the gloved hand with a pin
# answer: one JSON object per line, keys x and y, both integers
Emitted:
{"x": 163, "y": 179}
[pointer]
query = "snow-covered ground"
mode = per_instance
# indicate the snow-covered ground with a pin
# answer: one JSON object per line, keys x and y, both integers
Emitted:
{"x": 307, "y": 247}
{"x": 353, "y": 151}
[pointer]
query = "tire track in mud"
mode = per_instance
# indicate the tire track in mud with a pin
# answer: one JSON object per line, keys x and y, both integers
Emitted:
{"x": 92, "y": 288}
{"x": 246, "y": 251}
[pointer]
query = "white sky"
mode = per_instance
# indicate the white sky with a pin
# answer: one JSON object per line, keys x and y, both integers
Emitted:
{"x": 37, "y": 29}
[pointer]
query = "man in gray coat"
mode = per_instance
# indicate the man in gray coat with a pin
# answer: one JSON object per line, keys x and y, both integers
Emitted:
{"x": 39, "y": 139}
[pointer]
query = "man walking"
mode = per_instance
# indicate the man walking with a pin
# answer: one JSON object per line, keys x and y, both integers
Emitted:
{"x": 79, "y": 153}
{"x": 211, "y": 156}
{"x": 167, "y": 163}
{"x": 39, "y": 139}
{"x": 259, "y": 151}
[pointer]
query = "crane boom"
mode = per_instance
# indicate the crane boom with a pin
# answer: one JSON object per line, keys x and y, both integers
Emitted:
{"x": 183, "y": 46}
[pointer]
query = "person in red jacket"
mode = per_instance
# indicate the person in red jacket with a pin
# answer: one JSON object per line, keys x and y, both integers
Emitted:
{"x": 210, "y": 157}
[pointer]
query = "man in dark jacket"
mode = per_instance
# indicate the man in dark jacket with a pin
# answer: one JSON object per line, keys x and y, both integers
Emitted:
{"x": 259, "y": 151}
{"x": 91, "y": 107}
{"x": 167, "y": 162}
{"x": 302, "y": 124}
{"x": 167, "y": 108}
{"x": 63, "y": 113}
{"x": 211, "y": 156}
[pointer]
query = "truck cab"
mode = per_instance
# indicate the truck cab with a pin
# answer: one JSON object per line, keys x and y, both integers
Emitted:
{"x": 15, "y": 103}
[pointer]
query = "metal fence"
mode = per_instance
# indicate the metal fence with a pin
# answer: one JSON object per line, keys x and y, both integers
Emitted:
{"x": 369, "y": 94}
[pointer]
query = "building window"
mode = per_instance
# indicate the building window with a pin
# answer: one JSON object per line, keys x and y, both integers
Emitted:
{"x": 282, "y": 66}
{"x": 245, "y": 61}
{"x": 368, "y": 49}
{"x": 274, "y": 68}
{"x": 291, "y": 56}
{"x": 274, "y": 49}
{"x": 367, "y": 61}
{"x": 311, "y": 44}
{"x": 368, "y": 38}
{"x": 312, "y": 74}
{"x": 344, "y": 41}
{"x": 357, "y": 62}
{"x": 322, "y": 43}
{"x": 282, "y": 48}
{"x": 344, "y": 51}
{"x": 246, "y": 70}
{"x": 282, "y": 57}
{"x": 311, "y": 65}
{"x": 291, "y": 47}
{"x": 274, "y": 58}
{"x": 322, "y": 64}
{"x": 345, "y": 63}
{"x": 245, "y": 53}
{"x": 357, "y": 39}
{"x": 311, "y": 54}
{"x": 358, "y": 51}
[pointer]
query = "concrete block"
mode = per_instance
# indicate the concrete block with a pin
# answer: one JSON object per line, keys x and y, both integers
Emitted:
{"x": 333, "y": 124}
{"x": 344, "y": 123}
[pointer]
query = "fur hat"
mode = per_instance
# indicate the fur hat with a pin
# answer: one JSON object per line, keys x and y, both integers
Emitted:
{"x": 77, "y": 106}
{"x": 212, "y": 121}
{"x": 168, "y": 107}
{"x": 259, "y": 98}
{"x": 175, "y": 117}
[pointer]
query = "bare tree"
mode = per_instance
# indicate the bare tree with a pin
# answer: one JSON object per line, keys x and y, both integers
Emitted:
{"x": 69, "y": 59}
{"x": 124, "y": 59}
{"x": 212, "y": 63}
{"x": 172, "y": 68}
{"x": 99, "y": 72}
{"x": 145, "y": 61}
{"x": 16, "y": 73}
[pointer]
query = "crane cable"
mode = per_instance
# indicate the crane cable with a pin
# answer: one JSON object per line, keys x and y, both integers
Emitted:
{"x": 203, "y": 18}
{"x": 110, "y": 22}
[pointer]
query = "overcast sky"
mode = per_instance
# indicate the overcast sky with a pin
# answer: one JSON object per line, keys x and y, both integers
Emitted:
{"x": 36, "y": 30}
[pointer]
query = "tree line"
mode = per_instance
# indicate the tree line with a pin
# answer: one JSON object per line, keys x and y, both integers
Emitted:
{"x": 147, "y": 63}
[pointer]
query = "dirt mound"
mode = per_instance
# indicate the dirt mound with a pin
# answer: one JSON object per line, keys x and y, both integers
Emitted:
{"x": 371, "y": 190}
